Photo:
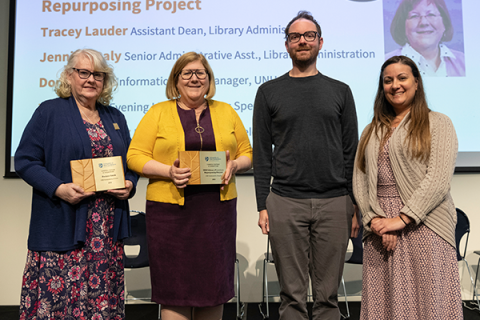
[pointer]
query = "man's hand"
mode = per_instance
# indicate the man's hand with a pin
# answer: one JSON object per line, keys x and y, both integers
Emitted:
{"x": 263, "y": 221}
{"x": 355, "y": 223}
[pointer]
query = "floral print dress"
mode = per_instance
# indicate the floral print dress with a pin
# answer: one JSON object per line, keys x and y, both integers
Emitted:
{"x": 85, "y": 283}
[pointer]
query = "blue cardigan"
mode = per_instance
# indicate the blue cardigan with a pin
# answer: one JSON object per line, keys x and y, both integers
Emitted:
{"x": 55, "y": 135}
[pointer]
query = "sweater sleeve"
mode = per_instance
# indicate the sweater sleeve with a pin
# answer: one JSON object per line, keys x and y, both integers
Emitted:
{"x": 30, "y": 156}
{"x": 441, "y": 165}
{"x": 361, "y": 189}
{"x": 262, "y": 149}
{"x": 349, "y": 138}
{"x": 243, "y": 142}
{"x": 129, "y": 174}
{"x": 143, "y": 142}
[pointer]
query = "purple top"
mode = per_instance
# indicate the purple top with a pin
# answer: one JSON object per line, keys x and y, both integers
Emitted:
{"x": 192, "y": 138}
{"x": 193, "y": 142}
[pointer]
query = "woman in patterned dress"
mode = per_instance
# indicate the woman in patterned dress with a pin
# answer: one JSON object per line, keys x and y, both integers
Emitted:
{"x": 403, "y": 168}
{"x": 191, "y": 229}
{"x": 74, "y": 266}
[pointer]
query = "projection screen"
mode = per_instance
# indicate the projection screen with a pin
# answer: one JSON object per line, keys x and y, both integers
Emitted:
{"x": 244, "y": 43}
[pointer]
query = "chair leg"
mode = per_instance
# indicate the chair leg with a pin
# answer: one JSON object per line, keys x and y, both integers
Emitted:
{"x": 309, "y": 292}
{"x": 476, "y": 277}
{"x": 265, "y": 315}
{"x": 240, "y": 305}
{"x": 473, "y": 284}
{"x": 159, "y": 311}
{"x": 347, "y": 316}
{"x": 266, "y": 289}
{"x": 126, "y": 293}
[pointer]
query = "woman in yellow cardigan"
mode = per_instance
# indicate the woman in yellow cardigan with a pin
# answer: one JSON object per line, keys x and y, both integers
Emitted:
{"x": 191, "y": 229}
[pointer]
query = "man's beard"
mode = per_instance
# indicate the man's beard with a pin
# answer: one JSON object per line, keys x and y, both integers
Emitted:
{"x": 304, "y": 61}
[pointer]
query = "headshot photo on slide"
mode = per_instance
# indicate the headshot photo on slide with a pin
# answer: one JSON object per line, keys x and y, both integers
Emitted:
{"x": 430, "y": 32}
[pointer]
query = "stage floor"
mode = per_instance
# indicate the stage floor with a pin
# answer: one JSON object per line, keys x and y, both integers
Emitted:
{"x": 150, "y": 312}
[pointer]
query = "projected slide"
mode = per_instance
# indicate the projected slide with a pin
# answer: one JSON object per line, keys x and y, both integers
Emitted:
{"x": 244, "y": 43}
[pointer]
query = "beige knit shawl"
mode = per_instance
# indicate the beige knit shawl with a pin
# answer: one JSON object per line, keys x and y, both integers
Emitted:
{"x": 423, "y": 187}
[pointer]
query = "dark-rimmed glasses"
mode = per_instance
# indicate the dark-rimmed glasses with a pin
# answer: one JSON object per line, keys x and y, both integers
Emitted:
{"x": 309, "y": 36}
{"x": 188, "y": 74}
{"x": 85, "y": 74}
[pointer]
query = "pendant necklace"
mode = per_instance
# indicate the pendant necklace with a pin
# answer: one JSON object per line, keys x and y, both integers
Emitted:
{"x": 198, "y": 129}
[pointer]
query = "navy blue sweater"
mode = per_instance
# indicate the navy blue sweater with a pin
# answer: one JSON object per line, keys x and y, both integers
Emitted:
{"x": 55, "y": 135}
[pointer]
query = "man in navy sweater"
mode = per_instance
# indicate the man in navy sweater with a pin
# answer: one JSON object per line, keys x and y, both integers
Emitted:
{"x": 307, "y": 208}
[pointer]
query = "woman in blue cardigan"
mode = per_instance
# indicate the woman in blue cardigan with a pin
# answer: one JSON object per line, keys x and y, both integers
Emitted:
{"x": 74, "y": 264}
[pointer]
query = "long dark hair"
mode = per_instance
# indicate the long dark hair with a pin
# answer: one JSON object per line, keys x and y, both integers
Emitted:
{"x": 418, "y": 135}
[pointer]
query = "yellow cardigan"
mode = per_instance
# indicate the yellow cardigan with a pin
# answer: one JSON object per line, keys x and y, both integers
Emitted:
{"x": 160, "y": 136}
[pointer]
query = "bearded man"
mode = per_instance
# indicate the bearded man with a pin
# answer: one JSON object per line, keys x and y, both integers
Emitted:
{"x": 305, "y": 136}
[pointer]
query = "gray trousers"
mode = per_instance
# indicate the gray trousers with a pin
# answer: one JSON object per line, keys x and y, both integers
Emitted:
{"x": 309, "y": 236}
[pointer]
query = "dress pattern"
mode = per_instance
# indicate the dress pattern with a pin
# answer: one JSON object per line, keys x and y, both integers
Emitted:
{"x": 419, "y": 279}
{"x": 85, "y": 283}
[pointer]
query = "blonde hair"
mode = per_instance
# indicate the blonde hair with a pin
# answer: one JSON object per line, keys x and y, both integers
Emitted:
{"x": 171, "y": 89}
{"x": 63, "y": 88}
{"x": 418, "y": 135}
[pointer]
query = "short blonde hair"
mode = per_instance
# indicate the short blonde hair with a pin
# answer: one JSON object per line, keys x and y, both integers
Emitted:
{"x": 172, "y": 91}
{"x": 63, "y": 88}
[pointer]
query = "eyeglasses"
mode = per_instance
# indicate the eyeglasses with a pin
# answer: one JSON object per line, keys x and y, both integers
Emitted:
{"x": 416, "y": 17}
{"x": 309, "y": 36}
{"x": 188, "y": 74}
{"x": 85, "y": 74}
